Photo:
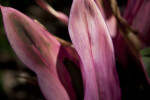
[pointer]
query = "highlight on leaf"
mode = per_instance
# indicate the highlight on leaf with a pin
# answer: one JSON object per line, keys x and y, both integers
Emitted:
{"x": 106, "y": 59}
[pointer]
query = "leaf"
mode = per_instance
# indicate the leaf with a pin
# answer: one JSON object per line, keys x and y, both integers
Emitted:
{"x": 37, "y": 49}
{"x": 145, "y": 53}
{"x": 61, "y": 16}
{"x": 93, "y": 43}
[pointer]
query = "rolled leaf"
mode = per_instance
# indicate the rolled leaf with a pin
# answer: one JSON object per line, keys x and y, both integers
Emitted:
{"x": 93, "y": 43}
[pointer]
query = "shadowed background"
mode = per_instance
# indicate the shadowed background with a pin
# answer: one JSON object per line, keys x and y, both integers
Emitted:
{"x": 17, "y": 82}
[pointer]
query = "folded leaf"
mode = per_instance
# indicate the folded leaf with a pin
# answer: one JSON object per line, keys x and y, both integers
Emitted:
{"x": 70, "y": 73}
{"x": 37, "y": 49}
{"x": 93, "y": 43}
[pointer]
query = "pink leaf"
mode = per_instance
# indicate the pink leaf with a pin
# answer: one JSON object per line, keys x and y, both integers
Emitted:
{"x": 92, "y": 41}
{"x": 37, "y": 49}
{"x": 69, "y": 72}
{"x": 132, "y": 9}
{"x": 61, "y": 16}
{"x": 141, "y": 22}
{"x": 137, "y": 14}
{"x": 111, "y": 22}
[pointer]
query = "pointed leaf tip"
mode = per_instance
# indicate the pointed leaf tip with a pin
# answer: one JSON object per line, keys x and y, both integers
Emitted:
{"x": 28, "y": 38}
{"x": 37, "y": 49}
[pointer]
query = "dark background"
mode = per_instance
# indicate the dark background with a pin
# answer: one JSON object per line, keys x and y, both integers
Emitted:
{"x": 17, "y": 82}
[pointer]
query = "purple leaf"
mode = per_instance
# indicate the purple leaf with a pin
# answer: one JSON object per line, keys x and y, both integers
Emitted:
{"x": 137, "y": 14}
{"x": 141, "y": 22}
{"x": 69, "y": 72}
{"x": 132, "y": 8}
{"x": 131, "y": 71}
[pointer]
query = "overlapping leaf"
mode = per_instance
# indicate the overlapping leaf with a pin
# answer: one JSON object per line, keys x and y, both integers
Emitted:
{"x": 92, "y": 41}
